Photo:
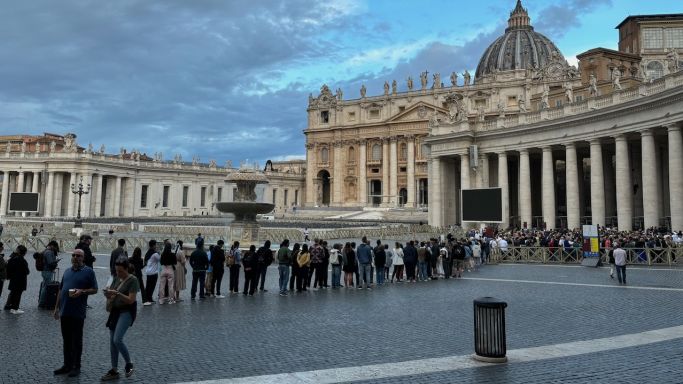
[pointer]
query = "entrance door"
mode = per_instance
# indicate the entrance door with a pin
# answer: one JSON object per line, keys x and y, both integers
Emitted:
{"x": 402, "y": 197}
{"x": 375, "y": 192}
{"x": 324, "y": 198}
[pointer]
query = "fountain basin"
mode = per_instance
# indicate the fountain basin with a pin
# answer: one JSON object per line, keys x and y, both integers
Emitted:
{"x": 245, "y": 211}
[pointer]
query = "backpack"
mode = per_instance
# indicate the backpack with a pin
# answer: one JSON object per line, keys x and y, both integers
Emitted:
{"x": 40, "y": 261}
{"x": 230, "y": 259}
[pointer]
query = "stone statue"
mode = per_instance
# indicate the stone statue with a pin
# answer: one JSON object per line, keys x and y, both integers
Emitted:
{"x": 8, "y": 147}
{"x": 37, "y": 148}
{"x": 228, "y": 164}
{"x": 501, "y": 108}
{"x": 90, "y": 148}
{"x": 340, "y": 94}
{"x": 363, "y": 90}
{"x": 101, "y": 149}
{"x": 569, "y": 91}
{"x": 454, "y": 79}
{"x": 69, "y": 142}
{"x": 434, "y": 119}
{"x": 522, "y": 104}
{"x": 544, "y": 97}
{"x": 672, "y": 59}
{"x": 423, "y": 79}
{"x": 212, "y": 164}
{"x": 481, "y": 116}
{"x": 394, "y": 87}
{"x": 310, "y": 98}
{"x": 23, "y": 146}
{"x": 137, "y": 156}
{"x": 593, "y": 85}
{"x": 386, "y": 88}
{"x": 437, "y": 80}
{"x": 195, "y": 160}
{"x": 616, "y": 77}
{"x": 466, "y": 76}
{"x": 53, "y": 146}
{"x": 409, "y": 82}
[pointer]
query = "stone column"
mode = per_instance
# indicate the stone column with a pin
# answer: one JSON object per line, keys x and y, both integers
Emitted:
{"x": 20, "y": 182}
{"x": 504, "y": 188}
{"x": 97, "y": 190}
{"x": 85, "y": 201}
{"x": 572, "y": 184}
{"x": 337, "y": 174}
{"x": 5, "y": 193}
{"x": 524, "y": 188}
{"x": 483, "y": 171}
{"x": 385, "y": 172}
{"x": 71, "y": 208}
{"x": 597, "y": 184}
{"x": 650, "y": 197}
{"x": 464, "y": 171}
{"x": 311, "y": 193}
{"x": 116, "y": 211}
{"x": 363, "y": 173}
{"x": 435, "y": 200}
{"x": 393, "y": 172}
{"x": 548, "y": 180}
{"x": 411, "y": 172}
{"x": 49, "y": 191}
{"x": 34, "y": 182}
{"x": 623, "y": 183}
{"x": 675, "y": 176}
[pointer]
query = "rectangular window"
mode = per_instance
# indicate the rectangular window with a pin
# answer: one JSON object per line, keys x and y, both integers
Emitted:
{"x": 286, "y": 192}
{"x": 403, "y": 169}
{"x": 578, "y": 98}
{"x": 143, "y": 196}
{"x": 186, "y": 192}
{"x": 324, "y": 117}
{"x": 374, "y": 170}
{"x": 652, "y": 38}
{"x": 512, "y": 101}
{"x": 401, "y": 108}
{"x": 296, "y": 197}
{"x": 274, "y": 195}
{"x": 164, "y": 201}
{"x": 673, "y": 37}
{"x": 352, "y": 116}
{"x": 558, "y": 103}
{"x": 202, "y": 197}
{"x": 220, "y": 194}
{"x": 374, "y": 114}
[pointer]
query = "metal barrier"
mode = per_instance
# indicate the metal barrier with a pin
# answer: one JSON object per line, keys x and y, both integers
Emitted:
{"x": 548, "y": 255}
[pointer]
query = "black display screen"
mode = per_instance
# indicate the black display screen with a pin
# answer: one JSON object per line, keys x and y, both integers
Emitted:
{"x": 23, "y": 202}
{"x": 484, "y": 205}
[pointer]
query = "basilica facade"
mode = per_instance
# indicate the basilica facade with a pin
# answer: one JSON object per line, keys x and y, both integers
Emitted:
{"x": 597, "y": 144}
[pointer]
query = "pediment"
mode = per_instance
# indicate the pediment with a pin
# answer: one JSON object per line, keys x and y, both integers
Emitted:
{"x": 418, "y": 112}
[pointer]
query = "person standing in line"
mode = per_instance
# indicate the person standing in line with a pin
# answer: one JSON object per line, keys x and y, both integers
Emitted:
{"x": 250, "y": 262}
{"x": 122, "y": 307}
{"x": 422, "y": 262}
{"x": 410, "y": 260}
{"x": 348, "y": 264}
{"x": 356, "y": 267}
{"x": 295, "y": 266}
{"x": 447, "y": 264}
{"x": 48, "y": 272}
{"x": 390, "y": 261}
{"x": 199, "y": 261}
{"x": 476, "y": 255}
{"x": 304, "y": 261}
{"x": 264, "y": 258}
{"x": 620, "y": 263}
{"x": 17, "y": 274}
{"x": 435, "y": 258}
{"x": 138, "y": 265}
{"x": 398, "y": 263}
{"x": 78, "y": 282}
{"x": 151, "y": 270}
{"x": 180, "y": 279}
{"x": 380, "y": 261}
{"x": 316, "y": 272}
{"x": 167, "y": 275}
{"x": 235, "y": 267}
{"x": 458, "y": 259}
{"x": 335, "y": 261}
{"x": 217, "y": 265}
{"x": 3, "y": 267}
{"x": 284, "y": 259}
{"x": 326, "y": 262}
{"x": 198, "y": 240}
{"x": 84, "y": 244}
{"x": 364, "y": 256}
{"x": 209, "y": 274}
{"x": 119, "y": 251}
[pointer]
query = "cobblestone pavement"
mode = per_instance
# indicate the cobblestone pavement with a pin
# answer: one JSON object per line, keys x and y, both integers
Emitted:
{"x": 266, "y": 334}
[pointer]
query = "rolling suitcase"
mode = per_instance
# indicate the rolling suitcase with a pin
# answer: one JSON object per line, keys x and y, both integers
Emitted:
{"x": 50, "y": 299}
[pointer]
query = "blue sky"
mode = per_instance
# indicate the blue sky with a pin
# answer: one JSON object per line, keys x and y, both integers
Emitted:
{"x": 230, "y": 79}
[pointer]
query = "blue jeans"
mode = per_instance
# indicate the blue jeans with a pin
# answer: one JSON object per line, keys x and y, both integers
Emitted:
{"x": 422, "y": 270}
{"x": 283, "y": 270}
{"x": 116, "y": 345}
{"x": 621, "y": 273}
{"x": 336, "y": 275}
{"x": 380, "y": 275}
{"x": 47, "y": 278}
{"x": 365, "y": 271}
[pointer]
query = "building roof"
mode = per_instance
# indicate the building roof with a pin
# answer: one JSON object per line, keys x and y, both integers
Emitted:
{"x": 661, "y": 17}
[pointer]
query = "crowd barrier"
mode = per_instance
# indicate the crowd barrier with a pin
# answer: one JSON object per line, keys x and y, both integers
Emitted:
{"x": 547, "y": 255}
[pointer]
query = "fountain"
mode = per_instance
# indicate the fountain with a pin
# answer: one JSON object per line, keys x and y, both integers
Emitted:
{"x": 245, "y": 207}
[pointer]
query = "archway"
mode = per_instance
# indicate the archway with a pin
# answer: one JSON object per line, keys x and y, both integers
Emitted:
{"x": 323, "y": 188}
{"x": 402, "y": 197}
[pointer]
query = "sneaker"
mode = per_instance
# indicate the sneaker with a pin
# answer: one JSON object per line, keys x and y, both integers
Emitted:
{"x": 171, "y": 302}
{"x": 16, "y": 311}
{"x": 111, "y": 375}
{"x": 220, "y": 297}
{"x": 162, "y": 302}
{"x": 61, "y": 371}
{"x": 129, "y": 370}
{"x": 282, "y": 294}
{"x": 147, "y": 303}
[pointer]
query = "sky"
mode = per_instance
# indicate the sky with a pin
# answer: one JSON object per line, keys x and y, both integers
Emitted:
{"x": 229, "y": 80}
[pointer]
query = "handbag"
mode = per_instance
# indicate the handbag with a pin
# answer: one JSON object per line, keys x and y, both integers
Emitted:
{"x": 110, "y": 301}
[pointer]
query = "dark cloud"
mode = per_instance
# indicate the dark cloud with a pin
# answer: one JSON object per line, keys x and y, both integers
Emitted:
{"x": 555, "y": 20}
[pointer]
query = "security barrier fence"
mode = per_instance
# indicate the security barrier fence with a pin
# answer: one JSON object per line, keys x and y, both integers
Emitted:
{"x": 547, "y": 255}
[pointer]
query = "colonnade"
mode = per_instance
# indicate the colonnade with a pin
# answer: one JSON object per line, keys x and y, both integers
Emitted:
{"x": 646, "y": 172}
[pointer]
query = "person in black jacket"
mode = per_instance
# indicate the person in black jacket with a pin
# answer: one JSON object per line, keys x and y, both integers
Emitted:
{"x": 137, "y": 263}
{"x": 84, "y": 244}
{"x": 17, "y": 272}
{"x": 117, "y": 253}
{"x": 380, "y": 261}
{"x": 251, "y": 271}
{"x": 410, "y": 260}
{"x": 217, "y": 265}
{"x": 264, "y": 257}
{"x": 199, "y": 261}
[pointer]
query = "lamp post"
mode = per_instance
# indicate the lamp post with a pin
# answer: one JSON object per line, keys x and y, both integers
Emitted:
{"x": 80, "y": 192}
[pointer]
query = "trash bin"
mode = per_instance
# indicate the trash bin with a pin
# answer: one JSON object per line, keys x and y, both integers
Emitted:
{"x": 489, "y": 330}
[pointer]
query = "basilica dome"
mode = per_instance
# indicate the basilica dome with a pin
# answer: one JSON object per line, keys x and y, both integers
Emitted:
{"x": 519, "y": 48}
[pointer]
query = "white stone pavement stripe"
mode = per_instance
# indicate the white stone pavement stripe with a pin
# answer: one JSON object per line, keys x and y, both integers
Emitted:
{"x": 576, "y": 284}
{"x": 630, "y": 267}
{"x": 451, "y": 363}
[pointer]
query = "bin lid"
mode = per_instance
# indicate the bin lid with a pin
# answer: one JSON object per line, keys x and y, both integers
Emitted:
{"x": 490, "y": 302}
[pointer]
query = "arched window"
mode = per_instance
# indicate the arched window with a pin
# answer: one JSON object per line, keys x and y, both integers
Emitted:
{"x": 324, "y": 155}
{"x": 376, "y": 152}
{"x": 403, "y": 153}
{"x": 655, "y": 70}
{"x": 352, "y": 155}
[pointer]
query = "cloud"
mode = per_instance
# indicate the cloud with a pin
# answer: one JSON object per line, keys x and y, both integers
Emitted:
{"x": 555, "y": 20}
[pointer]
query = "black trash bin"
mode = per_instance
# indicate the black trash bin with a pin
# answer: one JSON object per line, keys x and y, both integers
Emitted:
{"x": 489, "y": 330}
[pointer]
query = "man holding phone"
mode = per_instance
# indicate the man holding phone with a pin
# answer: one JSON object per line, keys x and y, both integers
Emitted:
{"x": 77, "y": 283}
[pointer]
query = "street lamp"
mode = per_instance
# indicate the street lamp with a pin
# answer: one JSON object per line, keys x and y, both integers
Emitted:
{"x": 80, "y": 192}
